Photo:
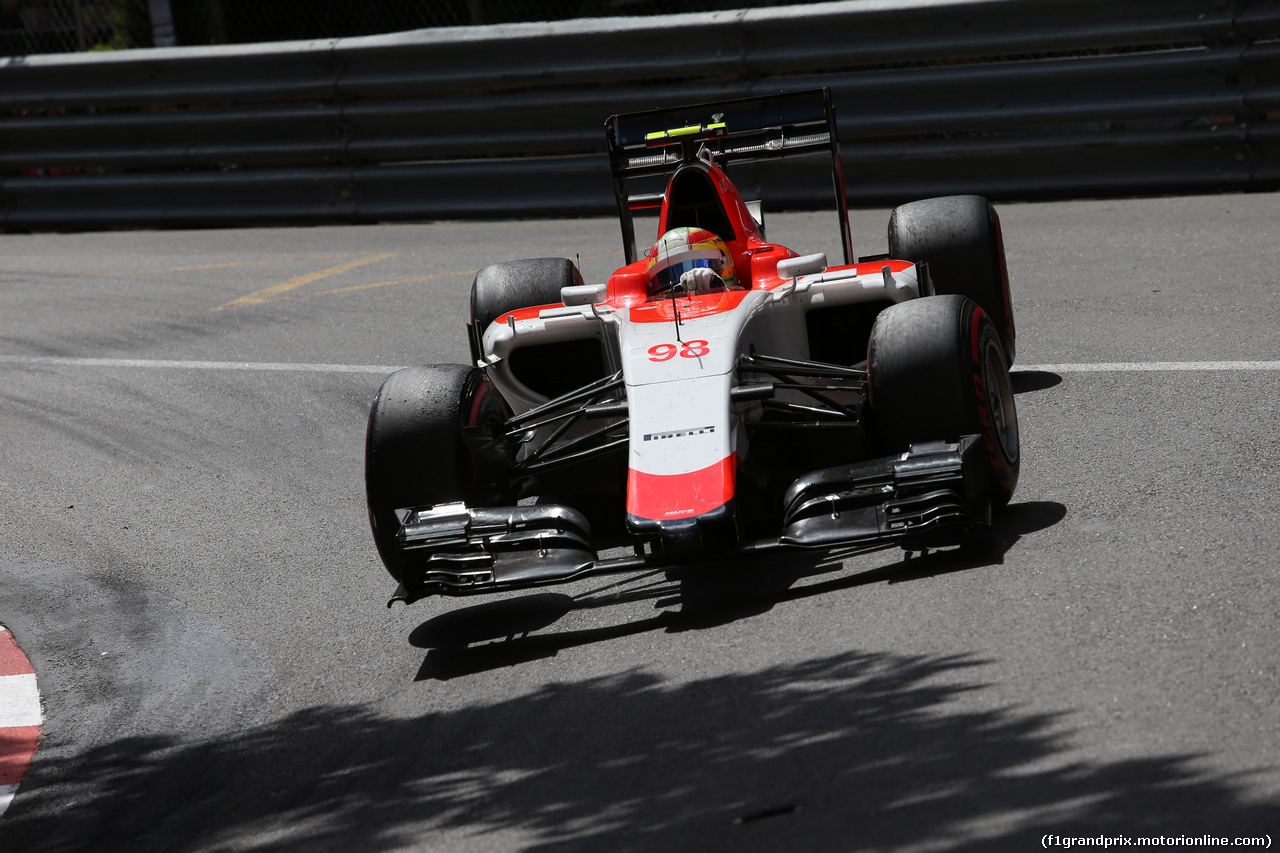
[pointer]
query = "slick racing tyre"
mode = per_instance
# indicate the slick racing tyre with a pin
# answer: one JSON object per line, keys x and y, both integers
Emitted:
{"x": 502, "y": 288}
{"x": 959, "y": 238}
{"x": 936, "y": 372}
{"x": 414, "y": 450}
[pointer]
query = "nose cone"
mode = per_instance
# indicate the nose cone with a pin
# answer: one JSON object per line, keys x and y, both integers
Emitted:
{"x": 706, "y": 533}
{"x": 677, "y": 497}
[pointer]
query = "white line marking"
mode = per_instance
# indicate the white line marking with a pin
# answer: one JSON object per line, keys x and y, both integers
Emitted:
{"x": 19, "y": 701}
{"x": 1150, "y": 366}
{"x": 58, "y": 361}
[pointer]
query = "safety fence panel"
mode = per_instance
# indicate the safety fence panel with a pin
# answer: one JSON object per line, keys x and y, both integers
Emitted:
{"x": 1008, "y": 98}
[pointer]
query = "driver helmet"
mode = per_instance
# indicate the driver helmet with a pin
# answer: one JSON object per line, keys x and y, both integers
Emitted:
{"x": 683, "y": 249}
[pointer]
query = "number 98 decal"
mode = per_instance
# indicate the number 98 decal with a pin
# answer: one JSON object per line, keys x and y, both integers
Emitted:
{"x": 687, "y": 349}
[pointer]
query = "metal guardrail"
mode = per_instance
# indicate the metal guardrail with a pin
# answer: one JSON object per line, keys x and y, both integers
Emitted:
{"x": 1008, "y": 98}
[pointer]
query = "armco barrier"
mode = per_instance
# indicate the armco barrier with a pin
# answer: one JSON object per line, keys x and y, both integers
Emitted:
{"x": 1010, "y": 98}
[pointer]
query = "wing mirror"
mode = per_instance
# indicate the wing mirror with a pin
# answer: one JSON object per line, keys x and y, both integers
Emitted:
{"x": 584, "y": 294}
{"x": 803, "y": 265}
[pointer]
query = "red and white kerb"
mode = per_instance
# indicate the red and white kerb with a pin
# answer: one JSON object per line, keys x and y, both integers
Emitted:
{"x": 20, "y": 716}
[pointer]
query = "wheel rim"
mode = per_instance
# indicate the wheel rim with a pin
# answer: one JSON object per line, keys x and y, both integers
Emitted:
{"x": 999, "y": 390}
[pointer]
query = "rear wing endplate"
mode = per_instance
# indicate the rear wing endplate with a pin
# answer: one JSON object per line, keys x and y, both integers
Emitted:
{"x": 657, "y": 142}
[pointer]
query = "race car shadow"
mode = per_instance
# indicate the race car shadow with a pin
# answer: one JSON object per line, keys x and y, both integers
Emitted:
{"x": 1026, "y": 381}
{"x": 489, "y": 636}
{"x": 503, "y": 633}
{"x": 708, "y": 600}
{"x": 1018, "y": 520}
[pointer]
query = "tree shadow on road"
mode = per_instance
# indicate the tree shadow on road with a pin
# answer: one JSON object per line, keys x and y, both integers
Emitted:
{"x": 852, "y": 751}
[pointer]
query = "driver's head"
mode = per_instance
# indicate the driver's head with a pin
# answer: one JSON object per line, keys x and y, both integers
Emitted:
{"x": 684, "y": 249}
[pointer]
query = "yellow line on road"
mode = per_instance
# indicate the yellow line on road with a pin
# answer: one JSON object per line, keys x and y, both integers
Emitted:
{"x": 368, "y": 286}
{"x": 280, "y": 292}
{"x": 270, "y": 294}
{"x": 220, "y": 266}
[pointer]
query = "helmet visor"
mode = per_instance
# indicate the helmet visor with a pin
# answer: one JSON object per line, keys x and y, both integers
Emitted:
{"x": 670, "y": 277}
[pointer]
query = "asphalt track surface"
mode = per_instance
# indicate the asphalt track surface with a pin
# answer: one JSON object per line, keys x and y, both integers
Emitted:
{"x": 184, "y": 558}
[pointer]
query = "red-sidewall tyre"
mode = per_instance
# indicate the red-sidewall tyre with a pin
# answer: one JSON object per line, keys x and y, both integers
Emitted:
{"x": 959, "y": 237}
{"x": 414, "y": 451}
{"x": 937, "y": 371}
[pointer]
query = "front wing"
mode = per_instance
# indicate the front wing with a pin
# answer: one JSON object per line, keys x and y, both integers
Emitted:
{"x": 934, "y": 495}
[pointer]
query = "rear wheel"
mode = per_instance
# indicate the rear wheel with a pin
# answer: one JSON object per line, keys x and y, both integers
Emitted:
{"x": 502, "y": 288}
{"x": 415, "y": 454}
{"x": 936, "y": 372}
{"x": 959, "y": 238}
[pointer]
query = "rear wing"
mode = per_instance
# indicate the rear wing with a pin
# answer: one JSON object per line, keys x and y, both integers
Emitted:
{"x": 655, "y": 143}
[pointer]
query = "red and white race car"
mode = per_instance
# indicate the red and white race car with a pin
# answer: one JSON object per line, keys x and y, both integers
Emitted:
{"x": 719, "y": 394}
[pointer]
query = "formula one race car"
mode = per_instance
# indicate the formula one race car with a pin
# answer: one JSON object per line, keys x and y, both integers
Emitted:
{"x": 718, "y": 395}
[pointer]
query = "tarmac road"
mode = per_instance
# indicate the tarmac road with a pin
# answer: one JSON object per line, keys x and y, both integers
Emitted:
{"x": 185, "y": 559}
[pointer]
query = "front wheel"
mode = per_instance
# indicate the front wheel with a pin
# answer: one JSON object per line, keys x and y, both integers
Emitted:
{"x": 415, "y": 454}
{"x": 937, "y": 371}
